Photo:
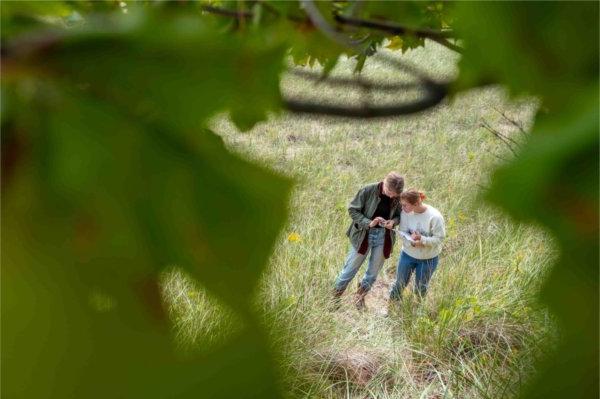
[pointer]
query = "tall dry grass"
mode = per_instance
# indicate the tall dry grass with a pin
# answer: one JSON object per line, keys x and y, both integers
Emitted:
{"x": 478, "y": 330}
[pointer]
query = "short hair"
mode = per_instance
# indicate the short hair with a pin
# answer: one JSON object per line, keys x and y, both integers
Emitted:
{"x": 394, "y": 182}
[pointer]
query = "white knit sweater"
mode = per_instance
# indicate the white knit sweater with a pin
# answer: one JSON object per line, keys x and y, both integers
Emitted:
{"x": 431, "y": 226}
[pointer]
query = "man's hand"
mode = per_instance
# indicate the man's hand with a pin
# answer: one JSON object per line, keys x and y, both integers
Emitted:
{"x": 377, "y": 221}
{"x": 389, "y": 224}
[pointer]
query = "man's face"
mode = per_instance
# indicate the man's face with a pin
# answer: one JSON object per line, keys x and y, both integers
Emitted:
{"x": 388, "y": 192}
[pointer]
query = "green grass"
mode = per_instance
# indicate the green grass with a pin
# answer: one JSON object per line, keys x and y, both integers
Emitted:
{"x": 477, "y": 332}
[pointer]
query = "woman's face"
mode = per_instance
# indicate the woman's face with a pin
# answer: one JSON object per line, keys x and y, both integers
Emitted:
{"x": 407, "y": 206}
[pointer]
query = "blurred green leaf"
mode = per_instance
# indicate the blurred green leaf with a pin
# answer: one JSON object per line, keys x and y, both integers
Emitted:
{"x": 109, "y": 175}
{"x": 411, "y": 14}
{"x": 114, "y": 179}
{"x": 539, "y": 48}
{"x": 10, "y": 9}
{"x": 115, "y": 61}
{"x": 554, "y": 182}
{"x": 550, "y": 50}
{"x": 100, "y": 217}
{"x": 308, "y": 45}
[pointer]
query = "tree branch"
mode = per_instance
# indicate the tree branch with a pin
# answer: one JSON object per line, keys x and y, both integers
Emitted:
{"x": 440, "y": 37}
{"x": 320, "y": 22}
{"x": 435, "y": 94}
{"x": 437, "y": 36}
{"x": 392, "y": 27}
{"x": 446, "y": 43}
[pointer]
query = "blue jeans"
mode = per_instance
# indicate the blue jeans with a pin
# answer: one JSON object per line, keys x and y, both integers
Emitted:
{"x": 423, "y": 269}
{"x": 355, "y": 260}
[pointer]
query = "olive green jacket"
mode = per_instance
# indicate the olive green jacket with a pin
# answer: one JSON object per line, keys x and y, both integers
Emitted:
{"x": 361, "y": 210}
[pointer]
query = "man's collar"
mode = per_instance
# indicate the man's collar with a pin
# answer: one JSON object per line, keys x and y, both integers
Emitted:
{"x": 380, "y": 188}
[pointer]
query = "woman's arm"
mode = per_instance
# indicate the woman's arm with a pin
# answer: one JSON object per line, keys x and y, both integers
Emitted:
{"x": 438, "y": 231}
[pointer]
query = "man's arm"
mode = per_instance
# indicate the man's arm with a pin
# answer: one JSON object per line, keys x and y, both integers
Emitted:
{"x": 355, "y": 209}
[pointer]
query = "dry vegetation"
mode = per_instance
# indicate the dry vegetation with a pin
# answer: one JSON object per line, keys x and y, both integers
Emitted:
{"x": 477, "y": 332}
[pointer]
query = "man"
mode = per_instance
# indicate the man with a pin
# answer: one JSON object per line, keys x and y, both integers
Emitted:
{"x": 375, "y": 210}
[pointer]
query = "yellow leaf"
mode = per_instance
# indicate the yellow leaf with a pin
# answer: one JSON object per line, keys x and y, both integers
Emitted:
{"x": 395, "y": 43}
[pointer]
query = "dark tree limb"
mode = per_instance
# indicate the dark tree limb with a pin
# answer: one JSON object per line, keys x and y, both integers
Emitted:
{"x": 440, "y": 37}
{"x": 320, "y": 23}
{"x": 435, "y": 94}
{"x": 392, "y": 27}
{"x": 446, "y": 43}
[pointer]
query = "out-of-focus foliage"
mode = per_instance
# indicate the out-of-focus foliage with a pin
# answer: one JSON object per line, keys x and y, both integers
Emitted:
{"x": 550, "y": 50}
{"x": 109, "y": 175}
{"x": 412, "y": 15}
{"x": 554, "y": 182}
{"x": 518, "y": 45}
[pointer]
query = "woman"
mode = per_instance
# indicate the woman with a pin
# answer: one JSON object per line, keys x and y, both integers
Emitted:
{"x": 422, "y": 231}
{"x": 375, "y": 210}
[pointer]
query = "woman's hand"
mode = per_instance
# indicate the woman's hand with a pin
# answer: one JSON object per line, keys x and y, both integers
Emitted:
{"x": 389, "y": 224}
{"x": 376, "y": 221}
{"x": 416, "y": 236}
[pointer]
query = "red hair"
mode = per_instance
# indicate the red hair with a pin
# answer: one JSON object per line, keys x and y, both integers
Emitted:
{"x": 413, "y": 196}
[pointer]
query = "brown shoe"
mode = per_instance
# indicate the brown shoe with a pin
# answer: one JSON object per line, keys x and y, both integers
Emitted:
{"x": 359, "y": 300}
